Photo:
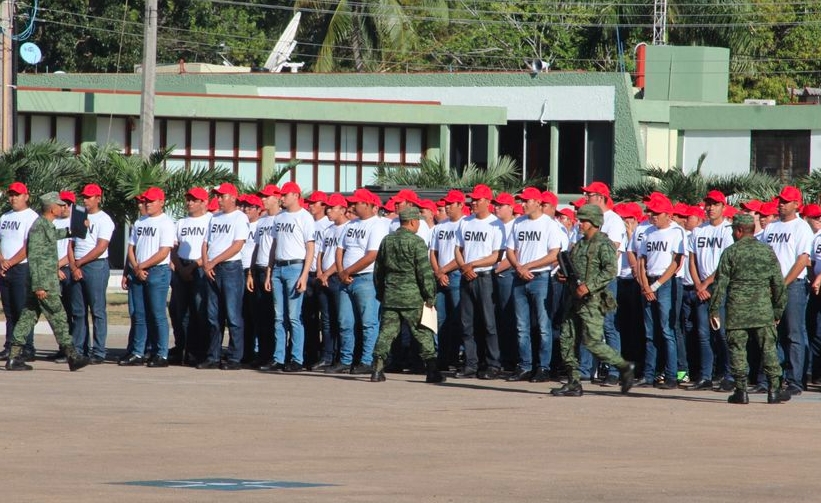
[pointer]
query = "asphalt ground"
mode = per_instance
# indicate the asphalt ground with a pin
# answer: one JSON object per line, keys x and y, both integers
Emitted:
{"x": 308, "y": 437}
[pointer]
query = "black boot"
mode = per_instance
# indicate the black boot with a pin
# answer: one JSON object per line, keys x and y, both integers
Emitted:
{"x": 572, "y": 388}
{"x": 627, "y": 376}
{"x": 75, "y": 360}
{"x": 433, "y": 374}
{"x": 739, "y": 395}
{"x": 774, "y": 392}
{"x": 378, "y": 374}
{"x": 16, "y": 360}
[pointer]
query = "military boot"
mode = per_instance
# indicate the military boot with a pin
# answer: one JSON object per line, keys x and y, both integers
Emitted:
{"x": 572, "y": 388}
{"x": 378, "y": 374}
{"x": 740, "y": 394}
{"x": 774, "y": 392}
{"x": 16, "y": 360}
{"x": 75, "y": 360}
{"x": 433, "y": 374}
{"x": 626, "y": 376}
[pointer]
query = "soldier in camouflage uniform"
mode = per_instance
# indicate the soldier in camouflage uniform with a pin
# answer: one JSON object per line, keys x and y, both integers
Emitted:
{"x": 594, "y": 259}
{"x": 749, "y": 276}
{"x": 404, "y": 281}
{"x": 44, "y": 296}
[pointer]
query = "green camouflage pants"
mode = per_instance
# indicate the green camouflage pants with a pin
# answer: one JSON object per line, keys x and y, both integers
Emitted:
{"x": 54, "y": 312}
{"x": 391, "y": 323}
{"x": 585, "y": 325}
{"x": 765, "y": 338}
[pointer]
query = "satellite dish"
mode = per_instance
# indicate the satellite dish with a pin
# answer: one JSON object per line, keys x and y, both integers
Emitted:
{"x": 31, "y": 53}
{"x": 539, "y": 66}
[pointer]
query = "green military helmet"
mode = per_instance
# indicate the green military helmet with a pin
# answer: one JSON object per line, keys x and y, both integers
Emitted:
{"x": 742, "y": 219}
{"x": 50, "y": 198}
{"x": 591, "y": 213}
{"x": 408, "y": 214}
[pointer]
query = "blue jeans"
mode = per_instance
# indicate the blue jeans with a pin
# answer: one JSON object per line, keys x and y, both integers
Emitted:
{"x": 88, "y": 295}
{"x": 449, "y": 336}
{"x": 530, "y": 305}
{"x": 792, "y": 333}
{"x": 508, "y": 340}
{"x": 814, "y": 334}
{"x": 14, "y": 289}
{"x": 261, "y": 333}
{"x": 225, "y": 304}
{"x": 712, "y": 344}
{"x": 476, "y": 304}
{"x": 687, "y": 326}
{"x": 329, "y": 318}
{"x": 357, "y": 303}
{"x": 149, "y": 308}
{"x": 188, "y": 313}
{"x": 612, "y": 337}
{"x": 660, "y": 320}
{"x": 287, "y": 312}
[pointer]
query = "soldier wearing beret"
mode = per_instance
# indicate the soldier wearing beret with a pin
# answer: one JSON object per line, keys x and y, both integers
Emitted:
{"x": 594, "y": 259}
{"x": 44, "y": 293}
{"x": 404, "y": 282}
{"x": 749, "y": 276}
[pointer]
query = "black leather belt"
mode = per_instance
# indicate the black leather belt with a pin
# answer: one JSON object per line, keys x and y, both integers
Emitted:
{"x": 283, "y": 263}
{"x": 482, "y": 274}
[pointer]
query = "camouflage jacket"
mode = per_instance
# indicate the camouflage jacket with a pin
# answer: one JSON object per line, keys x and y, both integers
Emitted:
{"x": 595, "y": 261}
{"x": 402, "y": 271}
{"x": 749, "y": 277}
{"x": 41, "y": 250}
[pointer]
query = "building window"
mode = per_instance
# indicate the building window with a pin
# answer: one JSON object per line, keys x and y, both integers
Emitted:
{"x": 782, "y": 154}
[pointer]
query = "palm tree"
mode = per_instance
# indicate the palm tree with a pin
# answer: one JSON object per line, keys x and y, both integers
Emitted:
{"x": 370, "y": 31}
{"x": 43, "y": 166}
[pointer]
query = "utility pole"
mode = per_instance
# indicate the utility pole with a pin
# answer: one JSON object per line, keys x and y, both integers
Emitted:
{"x": 149, "y": 78}
{"x": 6, "y": 56}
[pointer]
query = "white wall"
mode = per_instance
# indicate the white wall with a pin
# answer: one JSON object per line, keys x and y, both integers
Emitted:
{"x": 815, "y": 149}
{"x": 728, "y": 152}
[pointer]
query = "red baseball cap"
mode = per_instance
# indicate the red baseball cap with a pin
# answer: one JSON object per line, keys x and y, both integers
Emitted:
{"x": 716, "y": 196}
{"x": 505, "y": 198}
{"x": 790, "y": 193}
{"x": 440, "y": 203}
{"x": 454, "y": 196}
{"x": 597, "y": 188}
{"x": 197, "y": 193}
{"x": 659, "y": 205}
{"x": 154, "y": 194}
{"x": 752, "y": 205}
{"x": 769, "y": 208}
{"x": 518, "y": 209}
{"x": 466, "y": 211}
{"x": 337, "y": 199}
{"x": 550, "y": 198}
{"x": 407, "y": 196}
{"x": 481, "y": 192}
{"x": 254, "y": 200}
{"x": 318, "y": 196}
{"x": 213, "y": 204}
{"x": 390, "y": 205}
{"x": 428, "y": 205}
{"x": 290, "y": 188}
{"x": 91, "y": 190}
{"x": 634, "y": 210}
{"x": 812, "y": 211}
{"x": 729, "y": 211}
{"x": 681, "y": 209}
{"x": 622, "y": 210}
{"x": 68, "y": 196}
{"x": 578, "y": 203}
{"x": 569, "y": 213}
{"x": 697, "y": 211}
{"x": 227, "y": 188}
{"x": 653, "y": 195}
{"x": 530, "y": 193}
{"x": 362, "y": 196}
{"x": 18, "y": 188}
{"x": 269, "y": 190}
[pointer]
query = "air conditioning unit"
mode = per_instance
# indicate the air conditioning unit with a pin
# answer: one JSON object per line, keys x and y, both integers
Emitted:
{"x": 770, "y": 103}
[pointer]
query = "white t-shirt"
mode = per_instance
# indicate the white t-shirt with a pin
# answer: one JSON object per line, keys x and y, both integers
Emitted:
{"x": 319, "y": 231}
{"x": 100, "y": 226}
{"x": 250, "y": 244}
{"x": 14, "y": 231}
{"x": 789, "y": 240}
{"x": 360, "y": 237}
{"x": 532, "y": 239}
{"x": 614, "y": 227}
{"x": 423, "y": 232}
{"x": 329, "y": 242}
{"x": 150, "y": 234}
{"x": 816, "y": 253}
{"x": 479, "y": 238}
{"x": 225, "y": 228}
{"x": 190, "y": 234}
{"x": 443, "y": 240}
{"x": 637, "y": 239}
{"x": 292, "y": 230}
{"x": 62, "y": 244}
{"x": 707, "y": 242}
{"x": 659, "y": 246}
{"x": 264, "y": 239}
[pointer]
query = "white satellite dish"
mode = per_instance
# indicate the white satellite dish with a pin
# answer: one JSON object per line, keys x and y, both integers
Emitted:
{"x": 279, "y": 57}
{"x": 31, "y": 53}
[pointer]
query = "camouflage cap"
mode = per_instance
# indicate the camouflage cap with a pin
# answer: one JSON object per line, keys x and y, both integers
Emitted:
{"x": 741, "y": 219}
{"x": 409, "y": 214}
{"x": 591, "y": 213}
{"x": 50, "y": 198}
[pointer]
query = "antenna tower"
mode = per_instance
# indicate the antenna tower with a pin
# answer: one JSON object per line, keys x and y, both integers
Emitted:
{"x": 660, "y": 22}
